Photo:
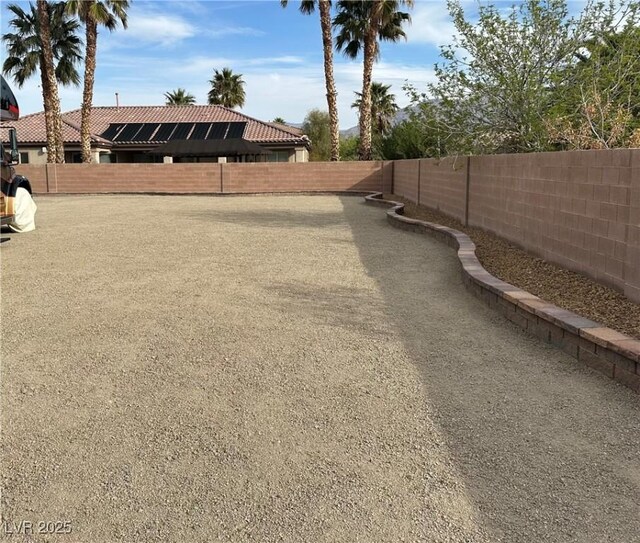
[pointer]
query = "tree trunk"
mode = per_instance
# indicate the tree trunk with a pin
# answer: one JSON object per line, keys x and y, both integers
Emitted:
{"x": 57, "y": 125}
{"x": 324, "y": 7}
{"x": 370, "y": 51}
{"x": 48, "y": 114}
{"x": 87, "y": 94}
{"x": 55, "y": 149}
{"x": 370, "y": 45}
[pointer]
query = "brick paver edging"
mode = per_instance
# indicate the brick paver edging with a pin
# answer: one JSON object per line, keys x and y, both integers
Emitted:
{"x": 612, "y": 353}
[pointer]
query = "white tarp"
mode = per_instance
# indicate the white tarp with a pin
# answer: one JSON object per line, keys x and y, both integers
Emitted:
{"x": 25, "y": 212}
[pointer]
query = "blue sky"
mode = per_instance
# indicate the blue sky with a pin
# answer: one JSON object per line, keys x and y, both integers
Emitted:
{"x": 171, "y": 44}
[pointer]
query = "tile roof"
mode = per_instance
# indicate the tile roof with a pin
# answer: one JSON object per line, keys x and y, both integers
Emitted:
{"x": 31, "y": 128}
{"x": 292, "y": 129}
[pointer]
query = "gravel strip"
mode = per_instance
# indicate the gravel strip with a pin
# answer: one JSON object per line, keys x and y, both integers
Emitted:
{"x": 553, "y": 283}
{"x": 288, "y": 369}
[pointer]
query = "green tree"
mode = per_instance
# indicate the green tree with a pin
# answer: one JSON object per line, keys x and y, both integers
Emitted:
{"x": 427, "y": 118}
{"x": 279, "y": 120}
{"x": 316, "y": 126}
{"x": 411, "y": 138}
{"x": 597, "y": 99}
{"x": 349, "y": 148}
{"x": 25, "y": 57}
{"x": 179, "y": 97}
{"x": 324, "y": 7}
{"x": 383, "y": 107}
{"x": 227, "y": 89}
{"x": 495, "y": 84}
{"x": 405, "y": 140}
{"x": 94, "y": 13}
{"x": 361, "y": 24}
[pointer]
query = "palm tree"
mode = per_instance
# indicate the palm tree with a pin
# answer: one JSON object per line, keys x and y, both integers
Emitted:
{"x": 360, "y": 24}
{"x": 50, "y": 86}
{"x": 179, "y": 97}
{"x": 279, "y": 120}
{"x": 25, "y": 57}
{"x": 93, "y": 13}
{"x": 383, "y": 107}
{"x": 324, "y": 7}
{"x": 227, "y": 89}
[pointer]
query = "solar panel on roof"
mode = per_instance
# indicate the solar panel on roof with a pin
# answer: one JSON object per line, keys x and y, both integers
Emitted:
{"x": 165, "y": 131}
{"x": 200, "y": 131}
{"x": 129, "y": 132}
{"x": 218, "y": 130}
{"x": 182, "y": 131}
{"x": 146, "y": 131}
{"x": 112, "y": 130}
{"x": 235, "y": 130}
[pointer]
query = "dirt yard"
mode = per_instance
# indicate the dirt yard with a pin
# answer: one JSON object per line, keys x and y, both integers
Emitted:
{"x": 287, "y": 369}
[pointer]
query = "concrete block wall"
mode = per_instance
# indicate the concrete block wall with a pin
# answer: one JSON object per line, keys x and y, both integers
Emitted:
{"x": 443, "y": 185}
{"x": 579, "y": 209}
{"x": 210, "y": 178}
{"x": 305, "y": 176}
{"x": 439, "y": 184}
{"x": 100, "y": 178}
{"x": 37, "y": 176}
{"x": 632, "y": 267}
{"x": 405, "y": 179}
{"x": 570, "y": 208}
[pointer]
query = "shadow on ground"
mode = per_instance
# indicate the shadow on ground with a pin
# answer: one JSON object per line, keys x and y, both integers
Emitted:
{"x": 272, "y": 219}
{"x": 547, "y": 449}
{"x": 5, "y": 230}
{"x": 336, "y": 305}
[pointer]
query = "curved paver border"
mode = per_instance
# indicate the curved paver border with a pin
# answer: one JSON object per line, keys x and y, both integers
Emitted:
{"x": 612, "y": 353}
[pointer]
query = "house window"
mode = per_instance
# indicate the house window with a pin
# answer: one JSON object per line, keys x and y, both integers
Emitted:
{"x": 24, "y": 158}
{"x": 278, "y": 156}
{"x": 146, "y": 158}
{"x": 107, "y": 158}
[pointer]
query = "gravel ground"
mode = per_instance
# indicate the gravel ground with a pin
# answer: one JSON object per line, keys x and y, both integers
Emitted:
{"x": 550, "y": 282}
{"x": 288, "y": 369}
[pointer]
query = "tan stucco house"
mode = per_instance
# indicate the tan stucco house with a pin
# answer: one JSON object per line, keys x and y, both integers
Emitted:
{"x": 126, "y": 134}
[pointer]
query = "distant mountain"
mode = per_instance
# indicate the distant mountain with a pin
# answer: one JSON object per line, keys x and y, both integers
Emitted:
{"x": 350, "y": 132}
{"x": 401, "y": 115}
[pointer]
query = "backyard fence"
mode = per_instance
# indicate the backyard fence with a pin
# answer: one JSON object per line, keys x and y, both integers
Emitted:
{"x": 579, "y": 209}
{"x": 209, "y": 178}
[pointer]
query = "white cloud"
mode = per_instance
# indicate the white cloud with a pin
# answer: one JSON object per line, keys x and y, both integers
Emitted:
{"x": 284, "y": 94}
{"x": 197, "y": 66}
{"x": 274, "y": 60}
{"x": 222, "y": 32}
{"x": 158, "y": 29}
{"x": 288, "y": 92}
{"x": 430, "y": 24}
{"x": 147, "y": 25}
{"x": 349, "y": 79}
{"x": 286, "y": 86}
{"x": 205, "y": 65}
